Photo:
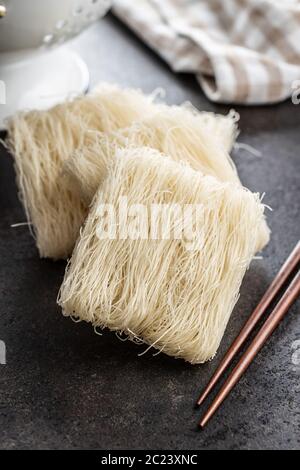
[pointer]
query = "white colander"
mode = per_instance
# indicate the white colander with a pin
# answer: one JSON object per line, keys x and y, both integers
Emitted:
{"x": 36, "y": 70}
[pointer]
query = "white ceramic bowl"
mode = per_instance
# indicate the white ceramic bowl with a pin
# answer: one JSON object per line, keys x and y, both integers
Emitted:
{"x": 35, "y": 70}
{"x": 32, "y": 23}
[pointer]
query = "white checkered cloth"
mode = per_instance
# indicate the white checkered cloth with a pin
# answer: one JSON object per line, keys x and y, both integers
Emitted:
{"x": 242, "y": 51}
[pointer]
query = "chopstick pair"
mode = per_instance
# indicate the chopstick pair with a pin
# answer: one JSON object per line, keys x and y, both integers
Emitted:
{"x": 288, "y": 298}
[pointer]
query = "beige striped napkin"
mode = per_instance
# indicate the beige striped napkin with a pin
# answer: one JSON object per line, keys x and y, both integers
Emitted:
{"x": 242, "y": 51}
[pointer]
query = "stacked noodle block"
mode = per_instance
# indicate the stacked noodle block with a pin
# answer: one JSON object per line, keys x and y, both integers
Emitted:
{"x": 173, "y": 298}
{"x": 175, "y": 131}
{"x": 43, "y": 141}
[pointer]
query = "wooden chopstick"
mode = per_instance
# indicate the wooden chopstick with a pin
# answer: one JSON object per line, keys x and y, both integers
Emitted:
{"x": 281, "y": 277}
{"x": 280, "y": 310}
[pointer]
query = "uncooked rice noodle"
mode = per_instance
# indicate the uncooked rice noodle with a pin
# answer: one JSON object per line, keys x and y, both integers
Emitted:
{"x": 176, "y": 131}
{"x": 174, "y": 297}
{"x": 42, "y": 140}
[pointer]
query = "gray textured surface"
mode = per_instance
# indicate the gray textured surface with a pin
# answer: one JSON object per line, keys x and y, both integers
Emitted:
{"x": 65, "y": 387}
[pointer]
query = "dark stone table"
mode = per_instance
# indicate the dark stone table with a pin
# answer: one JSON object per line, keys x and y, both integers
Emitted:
{"x": 65, "y": 387}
